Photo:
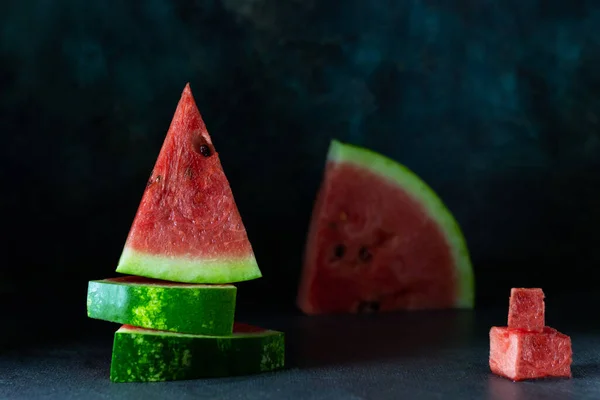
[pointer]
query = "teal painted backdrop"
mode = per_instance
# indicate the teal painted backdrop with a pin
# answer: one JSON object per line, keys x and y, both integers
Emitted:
{"x": 495, "y": 103}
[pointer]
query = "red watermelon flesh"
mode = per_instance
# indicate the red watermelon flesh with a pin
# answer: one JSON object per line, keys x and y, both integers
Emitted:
{"x": 526, "y": 309}
{"x": 380, "y": 240}
{"x": 188, "y": 227}
{"x": 518, "y": 354}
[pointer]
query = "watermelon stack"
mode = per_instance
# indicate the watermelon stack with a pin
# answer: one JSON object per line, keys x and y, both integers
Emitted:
{"x": 527, "y": 348}
{"x": 186, "y": 248}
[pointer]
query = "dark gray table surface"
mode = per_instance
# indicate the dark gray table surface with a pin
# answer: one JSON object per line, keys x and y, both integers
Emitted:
{"x": 425, "y": 355}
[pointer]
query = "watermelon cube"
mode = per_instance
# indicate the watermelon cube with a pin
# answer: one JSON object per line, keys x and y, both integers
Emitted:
{"x": 518, "y": 354}
{"x": 526, "y": 309}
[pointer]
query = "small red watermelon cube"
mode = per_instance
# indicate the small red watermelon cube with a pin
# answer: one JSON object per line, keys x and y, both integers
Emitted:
{"x": 526, "y": 309}
{"x": 518, "y": 354}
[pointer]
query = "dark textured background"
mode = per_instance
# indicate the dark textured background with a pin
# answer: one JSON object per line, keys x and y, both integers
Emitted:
{"x": 495, "y": 104}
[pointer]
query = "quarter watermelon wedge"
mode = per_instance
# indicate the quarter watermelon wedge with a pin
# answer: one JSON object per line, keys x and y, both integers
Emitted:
{"x": 187, "y": 227}
{"x": 169, "y": 306}
{"x": 380, "y": 239}
{"x": 143, "y": 355}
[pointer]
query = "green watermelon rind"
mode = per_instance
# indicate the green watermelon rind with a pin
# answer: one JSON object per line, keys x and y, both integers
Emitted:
{"x": 152, "y": 356}
{"x": 188, "y": 269}
{"x": 197, "y": 309}
{"x": 402, "y": 176}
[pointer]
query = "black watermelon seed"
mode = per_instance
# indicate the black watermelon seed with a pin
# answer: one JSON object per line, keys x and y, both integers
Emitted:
{"x": 364, "y": 254}
{"x": 204, "y": 150}
{"x": 152, "y": 180}
{"x": 368, "y": 306}
{"x": 339, "y": 251}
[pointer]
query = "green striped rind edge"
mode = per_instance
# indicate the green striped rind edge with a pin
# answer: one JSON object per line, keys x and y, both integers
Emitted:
{"x": 199, "y": 309}
{"x": 402, "y": 176}
{"x": 187, "y": 269}
{"x": 153, "y": 356}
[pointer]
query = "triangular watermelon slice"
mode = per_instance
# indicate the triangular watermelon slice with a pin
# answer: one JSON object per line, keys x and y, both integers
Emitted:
{"x": 187, "y": 227}
{"x": 380, "y": 240}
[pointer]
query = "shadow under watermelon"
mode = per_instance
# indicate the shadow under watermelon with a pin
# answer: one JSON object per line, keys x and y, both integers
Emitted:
{"x": 319, "y": 341}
